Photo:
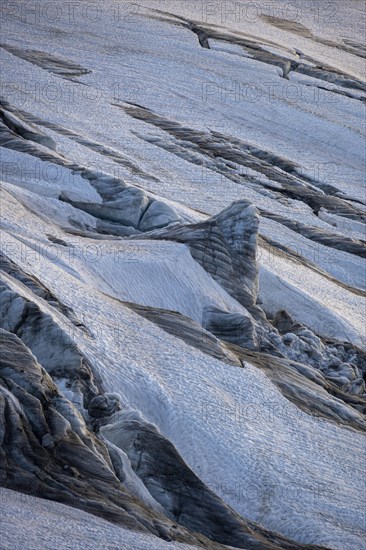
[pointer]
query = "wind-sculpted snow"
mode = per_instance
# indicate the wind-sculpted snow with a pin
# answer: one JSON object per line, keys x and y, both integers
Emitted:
{"x": 180, "y": 491}
{"x": 53, "y": 347}
{"x": 227, "y": 251}
{"x": 100, "y": 409}
{"x": 234, "y": 153}
{"x": 9, "y": 267}
{"x": 28, "y": 321}
{"x": 308, "y": 388}
{"x": 225, "y": 246}
{"x": 182, "y": 277}
{"x": 47, "y": 451}
{"x": 259, "y": 50}
{"x": 24, "y": 130}
{"x": 188, "y": 330}
{"x": 120, "y": 207}
{"x": 322, "y": 236}
{"x": 56, "y": 442}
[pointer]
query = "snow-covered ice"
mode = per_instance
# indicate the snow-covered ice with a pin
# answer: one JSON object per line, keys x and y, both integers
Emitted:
{"x": 133, "y": 99}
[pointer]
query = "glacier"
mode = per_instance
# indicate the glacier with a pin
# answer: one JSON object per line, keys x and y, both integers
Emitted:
{"x": 182, "y": 275}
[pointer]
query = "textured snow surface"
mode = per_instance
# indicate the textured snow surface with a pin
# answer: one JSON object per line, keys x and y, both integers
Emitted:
{"x": 41, "y": 524}
{"x": 158, "y": 274}
{"x": 293, "y": 473}
{"x": 266, "y": 458}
